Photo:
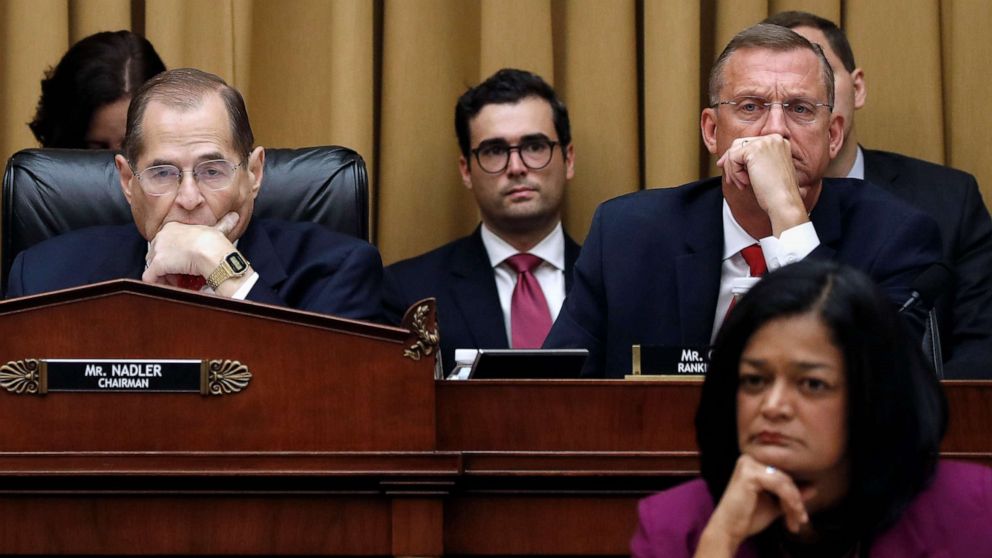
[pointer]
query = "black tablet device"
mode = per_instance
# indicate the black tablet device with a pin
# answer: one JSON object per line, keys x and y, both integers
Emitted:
{"x": 534, "y": 364}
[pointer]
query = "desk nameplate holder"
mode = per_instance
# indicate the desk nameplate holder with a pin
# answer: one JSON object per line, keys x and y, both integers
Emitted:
{"x": 205, "y": 377}
{"x": 638, "y": 375}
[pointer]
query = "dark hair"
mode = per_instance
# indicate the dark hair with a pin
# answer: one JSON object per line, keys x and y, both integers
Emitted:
{"x": 508, "y": 86}
{"x": 835, "y": 36}
{"x": 184, "y": 88}
{"x": 770, "y": 37}
{"x": 95, "y": 71}
{"x": 896, "y": 411}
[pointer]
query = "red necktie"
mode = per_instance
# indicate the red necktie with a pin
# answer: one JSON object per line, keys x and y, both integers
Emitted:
{"x": 530, "y": 319}
{"x": 755, "y": 259}
{"x": 191, "y": 282}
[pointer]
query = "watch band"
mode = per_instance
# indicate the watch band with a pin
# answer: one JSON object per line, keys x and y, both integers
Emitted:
{"x": 233, "y": 265}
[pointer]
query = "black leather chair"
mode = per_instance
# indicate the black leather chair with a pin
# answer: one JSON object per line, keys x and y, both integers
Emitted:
{"x": 47, "y": 192}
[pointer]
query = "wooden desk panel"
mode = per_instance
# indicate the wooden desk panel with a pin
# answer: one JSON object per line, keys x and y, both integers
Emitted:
{"x": 969, "y": 431}
{"x": 654, "y": 418}
{"x": 496, "y": 495}
{"x": 371, "y": 398}
{"x": 198, "y": 524}
{"x": 567, "y": 415}
{"x": 340, "y": 445}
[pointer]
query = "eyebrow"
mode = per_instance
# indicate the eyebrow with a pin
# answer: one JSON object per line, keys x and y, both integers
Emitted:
{"x": 211, "y": 156}
{"x": 802, "y": 366}
{"x": 502, "y": 141}
{"x": 532, "y": 137}
{"x": 787, "y": 99}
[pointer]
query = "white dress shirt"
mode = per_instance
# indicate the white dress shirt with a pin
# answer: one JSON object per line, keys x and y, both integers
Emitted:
{"x": 550, "y": 273}
{"x": 794, "y": 244}
{"x": 858, "y": 168}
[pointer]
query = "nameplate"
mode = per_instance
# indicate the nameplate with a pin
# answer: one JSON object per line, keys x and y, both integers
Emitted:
{"x": 206, "y": 377}
{"x": 669, "y": 361}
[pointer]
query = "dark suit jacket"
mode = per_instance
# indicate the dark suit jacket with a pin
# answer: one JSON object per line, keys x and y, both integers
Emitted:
{"x": 950, "y": 518}
{"x": 649, "y": 272}
{"x": 300, "y": 265}
{"x": 461, "y": 278}
{"x": 952, "y": 198}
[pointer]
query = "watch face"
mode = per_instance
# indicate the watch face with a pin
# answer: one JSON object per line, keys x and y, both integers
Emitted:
{"x": 237, "y": 263}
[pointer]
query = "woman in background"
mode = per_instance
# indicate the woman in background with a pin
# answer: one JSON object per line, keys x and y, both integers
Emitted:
{"x": 819, "y": 427}
{"x": 84, "y": 99}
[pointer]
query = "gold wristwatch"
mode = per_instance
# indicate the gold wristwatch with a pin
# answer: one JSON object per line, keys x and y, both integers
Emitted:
{"x": 233, "y": 265}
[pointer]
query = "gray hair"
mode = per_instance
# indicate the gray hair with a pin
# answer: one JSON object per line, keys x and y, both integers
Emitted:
{"x": 185, "y": 88}
{"x": 770, "y": 37}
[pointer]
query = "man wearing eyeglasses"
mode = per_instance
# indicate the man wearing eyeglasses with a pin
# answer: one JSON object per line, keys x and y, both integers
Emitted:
{"x": 503, "y": 285}
{"x": 190, "y": 173}
{"x": 661, "y": 267}
{"x": 950, "y": 196}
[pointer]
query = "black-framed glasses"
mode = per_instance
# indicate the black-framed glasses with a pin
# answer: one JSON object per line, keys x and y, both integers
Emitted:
{"x": 754, "y": 109}
{"x": 495, "y": 157}
{"x": 162, "y": 180}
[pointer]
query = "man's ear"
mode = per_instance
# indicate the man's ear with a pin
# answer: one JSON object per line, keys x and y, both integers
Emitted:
{"x": 836, "y": 134}
{"x": 256, "y": 168}
{"x": 860, "y": 88}
{"x": 465, "y": 171}
{"x": 707, "y": 125}
{"x": 125, "y": 174}
{"x": 570, "y": 161}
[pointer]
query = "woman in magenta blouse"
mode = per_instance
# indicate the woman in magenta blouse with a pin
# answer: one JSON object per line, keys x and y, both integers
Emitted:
{"x": 819, "y": 428}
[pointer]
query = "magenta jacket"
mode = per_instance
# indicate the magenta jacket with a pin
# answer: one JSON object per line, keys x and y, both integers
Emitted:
{"x": 950, "y": 519}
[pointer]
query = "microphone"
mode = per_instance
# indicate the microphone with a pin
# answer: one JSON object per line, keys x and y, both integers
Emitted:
{"x": 927, "y": 286}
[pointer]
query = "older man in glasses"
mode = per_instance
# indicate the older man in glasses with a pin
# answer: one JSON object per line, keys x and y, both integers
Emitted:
{"x": 503, "y": 285}
{"x": 190, "y": 173}
{"x": 660, "y": 267}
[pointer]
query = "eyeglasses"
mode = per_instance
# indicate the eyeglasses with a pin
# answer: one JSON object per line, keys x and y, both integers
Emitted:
{"x": 755, "y": 109}
{"x": 162, "y": 180}
{"x": 495, "y": 157}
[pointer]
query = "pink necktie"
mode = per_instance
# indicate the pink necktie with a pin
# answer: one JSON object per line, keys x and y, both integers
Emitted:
{"x": 530, "y": 319}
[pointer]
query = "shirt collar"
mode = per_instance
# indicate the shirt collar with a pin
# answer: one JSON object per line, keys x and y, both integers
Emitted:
{"x": 858, "y": 168}
{"x": 735, "y": 238}
{"x": 550, "y": 249}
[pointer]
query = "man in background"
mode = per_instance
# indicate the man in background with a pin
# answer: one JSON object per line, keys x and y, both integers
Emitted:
{"x": 503, "y": 285}
{"x": 948, "y": 195}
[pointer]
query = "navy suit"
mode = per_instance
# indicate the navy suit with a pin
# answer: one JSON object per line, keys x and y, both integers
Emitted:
{"x": 461, "y": 278}
{"x": 300, "y": 265}
{"x": 650, "y": 269}
{"x": 952, "y": 198}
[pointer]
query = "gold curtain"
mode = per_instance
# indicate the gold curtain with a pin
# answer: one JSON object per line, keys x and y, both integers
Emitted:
{"x": 382, "y": 76}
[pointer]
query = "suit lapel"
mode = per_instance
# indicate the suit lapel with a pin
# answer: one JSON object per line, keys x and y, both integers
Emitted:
{"x": 473, "y": 288}
{"x": 127, "y": 260}
{"x": 877, "y": 171}
{"x": 571, "y": 254}
{"x": 827, "y": 215}
{"x": 698, "y": 269}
